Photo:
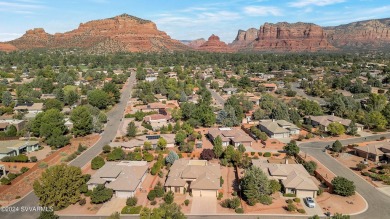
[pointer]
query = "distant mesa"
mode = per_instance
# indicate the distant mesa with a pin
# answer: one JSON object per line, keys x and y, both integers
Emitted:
{"x": 213, "y": 44}
{"x": 127, "y": 33}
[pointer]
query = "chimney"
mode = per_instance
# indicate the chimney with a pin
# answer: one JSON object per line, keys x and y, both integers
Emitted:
{"x": 273, "y": 120}
{"x": 286, "y": 161}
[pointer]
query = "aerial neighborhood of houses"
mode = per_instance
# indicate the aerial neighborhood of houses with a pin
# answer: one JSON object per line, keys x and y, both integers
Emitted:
{"x": 208, "y": 139}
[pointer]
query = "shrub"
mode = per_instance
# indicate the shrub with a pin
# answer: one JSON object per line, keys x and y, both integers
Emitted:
{"x": 277, "y": 154}
{"x": 151, "y": 195}
{"x": 220, "y": 195}
{"x": 239, "y": 210}
{"x": 83, "y": 188}
{"x": 310, "y": 166}
{"x": 159, "y": 190}
{"x": 5, "y": 181}
{"x": 97, "y": 163}
{"x": 225, "y": 203}
{"x": 267, "y": 154}
{"x": 234, "y": 193}
{"x": 382, "y": 138}
{"x": 297, "y": 200}
{"x": 360, "y": 166}
{"x": 33, "y": 159}
{"x": 232, "y": 203}
{"x": 17, "y": 197}
{"x": 265, "y": 200}
{"x": 252, "y": 153}
{"x": 42, "y": 165}
{"x": 131, "y": 210}
{"x": 24, "y": 169}
{"x": 100, "y": 194}
{"x": 260, "y": 153}
{"x": 106, "y": 148}
{"x": 186, "y": 202}
{"x": 301, "y": 210}
{"x": 168, "y": 197}
{"x": 148, "y": 157}
{"x": 82, "y": 201}
{"x": 320, "y": 191}
{"x": 289, "y": 201}
{"x": 154, "y": 202}
{"x": 131, "y": 201}
{"x": 291, "y": 207}
{"x": 274, "y": 186}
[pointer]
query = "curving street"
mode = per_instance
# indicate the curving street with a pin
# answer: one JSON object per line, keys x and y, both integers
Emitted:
{"x": 114, "y": 116}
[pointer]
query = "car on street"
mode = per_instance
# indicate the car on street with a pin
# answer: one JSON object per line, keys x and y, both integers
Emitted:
{"x": 309, "y": 202}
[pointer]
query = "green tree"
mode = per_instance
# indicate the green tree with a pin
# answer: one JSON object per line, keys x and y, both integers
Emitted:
{"x": 274, "y": 186}
{"x": 376, "y": 120}
{"x": 165, "y": 211}
{"x": 59, "y": 186}
{"x": 71, "y": 97}
{"x": 11, "y": 131}
{"x": 112, "y": 90}
{"x": 337, "y": 146}
{"x": 343, "y": 186}
{"x": 376, "y": 102}
{"x": 310, "y": 166}
{"x": 218, "y": 148}
{"x": 172, "y": 157}
{"x": 131, "y": 129}
{"x": 291, "y": 148}
{"x": 162, "y": 143}
{"x": 340, "y": 216}
{"x": 180, "y": 137}
{"x": 97, "y": 162}
{"x": 352, "y": 128}
{"x": 53, "y": 104}
{"x": 100, "y": 194}
{"x": 336, "y": 129}
{"x": 82, "y": 121}
{"x": 241, "y": 148}
{"x": 98, "y": 98}
{"x": 6, "y": 98}
{"x": 255, "y": 185}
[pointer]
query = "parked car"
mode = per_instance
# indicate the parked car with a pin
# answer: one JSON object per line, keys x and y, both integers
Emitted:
{"x": 309, "y": 202}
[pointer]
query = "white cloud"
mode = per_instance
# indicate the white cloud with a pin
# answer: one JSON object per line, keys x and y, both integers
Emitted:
{"x": 304, "y": 3}
{"x": 262, "y": 11}
{"x": 20, "y": 6}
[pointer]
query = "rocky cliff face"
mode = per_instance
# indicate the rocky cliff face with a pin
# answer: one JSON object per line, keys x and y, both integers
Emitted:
{"x": 244, "y": 38}
{"x": 213, "y": 44}
{"x": 120, "y": 33}
{"x": 296, "y": 37}
{"x": 371, "y": 34}
{"x": 6, "y": 47}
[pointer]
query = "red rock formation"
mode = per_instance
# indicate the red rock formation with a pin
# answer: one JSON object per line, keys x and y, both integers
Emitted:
{"x": 297, "y": 37}
{"x": 195, "y": 44}
{"x": 244, "y": 38}
{"x": 6, "y": 47}
{"x": 120, "y": 33}
{"x": 213, "y": 44}
{"x": 371, "y": 34}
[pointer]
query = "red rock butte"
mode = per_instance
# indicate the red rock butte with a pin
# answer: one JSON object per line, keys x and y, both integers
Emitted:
{"x": 213, "y": 44}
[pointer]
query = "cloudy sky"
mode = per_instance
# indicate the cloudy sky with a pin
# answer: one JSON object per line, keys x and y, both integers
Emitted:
{"x": 184, "y": 19}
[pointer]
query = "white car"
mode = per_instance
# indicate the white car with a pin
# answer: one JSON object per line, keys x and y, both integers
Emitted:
{"x": 309, "y": 202}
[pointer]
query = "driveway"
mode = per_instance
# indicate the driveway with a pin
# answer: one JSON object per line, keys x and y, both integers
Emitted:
{"x": 216, "y": 96}
{"x": 204, "y": 205}
{"x": 312, "y": 211}
{"x": 114, "y": 205}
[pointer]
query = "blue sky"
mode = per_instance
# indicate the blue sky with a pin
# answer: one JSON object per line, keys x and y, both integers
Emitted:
{"x": 184, "y": 19}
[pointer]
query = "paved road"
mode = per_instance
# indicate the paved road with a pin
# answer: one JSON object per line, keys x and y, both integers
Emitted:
{"x": 295, "y": 87}
{"x": 114, "y": 117}
{"x": 377, "y": 201}
{"x": 216, "y": 96}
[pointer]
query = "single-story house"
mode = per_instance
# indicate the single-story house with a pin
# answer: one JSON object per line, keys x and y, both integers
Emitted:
{"x": 230, "y": 90}
{"x": 324, "y": 121}
{"x": 231, "y": 136}
{"x": 30, "y": 108}
{"x": 19, "y": 124}
{"x": 200, "y": 177}
{"x": 158, "y": 120}
{"x": 140, "y": 140}
{"x": 16, "y": 147}
{"x": 376, "y": 151}
{"x": 270, "y": 87}
{"x": 123, "y": 177}
{"x": 278, "y": 128}
{"x": 294, "y": 178}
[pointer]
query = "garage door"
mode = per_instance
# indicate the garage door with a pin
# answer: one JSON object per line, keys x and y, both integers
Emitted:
{"x": 208, "y": 193}
{"x": 196, "y": 193}
{"x": 119, "y": 194}
{"x": 303, "y": 193}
